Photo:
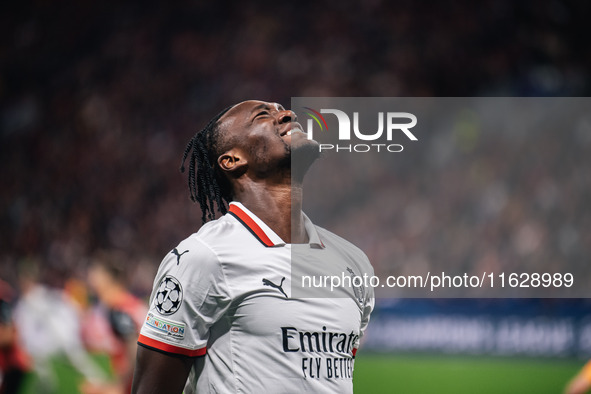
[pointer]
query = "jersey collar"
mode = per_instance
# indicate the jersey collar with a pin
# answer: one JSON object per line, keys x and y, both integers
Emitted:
{"x": 263, "y": 233}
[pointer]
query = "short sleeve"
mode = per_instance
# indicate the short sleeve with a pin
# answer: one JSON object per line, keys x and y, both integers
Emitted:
{"x": 367, "y": 306}
{"x": 189, "y": 295}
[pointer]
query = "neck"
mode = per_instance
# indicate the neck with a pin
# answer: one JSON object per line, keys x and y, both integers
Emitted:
{"x": 278, "y": 205}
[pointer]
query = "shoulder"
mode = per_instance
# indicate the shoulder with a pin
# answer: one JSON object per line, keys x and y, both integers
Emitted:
{"x": 210, "y": 237}
{"x": 335, "y": 242}
{"x": 194, "y": 263}
{"x": 215, "y": 234}
{"x": 201, "y": 250}
{"x": 331, "y": 239}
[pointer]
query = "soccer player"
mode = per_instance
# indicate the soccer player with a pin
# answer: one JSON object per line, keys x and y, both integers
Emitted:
{"x": 122, "y": 314}
{"x": 581, "y": 383}
{"x": 48, "y": 324}
{"x": 222, "y": 312}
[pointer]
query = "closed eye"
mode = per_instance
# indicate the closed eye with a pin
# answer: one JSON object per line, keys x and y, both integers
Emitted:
{"x": 261, "y": 114}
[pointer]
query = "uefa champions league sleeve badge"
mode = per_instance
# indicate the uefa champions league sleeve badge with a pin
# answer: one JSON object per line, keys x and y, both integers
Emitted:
{"x": 169, "y": 296}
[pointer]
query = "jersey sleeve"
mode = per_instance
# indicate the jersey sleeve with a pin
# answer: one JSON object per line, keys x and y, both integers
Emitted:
{"x": 189, "y": 295}
{"x": 367, "y": 306}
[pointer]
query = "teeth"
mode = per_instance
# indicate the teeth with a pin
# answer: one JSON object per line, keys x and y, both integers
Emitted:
{"x": 293, "y": 130}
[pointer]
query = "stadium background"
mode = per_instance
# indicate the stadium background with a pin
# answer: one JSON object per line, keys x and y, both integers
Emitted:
{"x": 99, "y": 98}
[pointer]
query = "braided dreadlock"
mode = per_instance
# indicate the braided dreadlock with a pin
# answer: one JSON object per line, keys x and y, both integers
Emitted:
{"x": 207, "y": 185}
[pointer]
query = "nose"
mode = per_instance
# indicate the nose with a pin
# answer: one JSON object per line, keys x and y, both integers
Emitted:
{"x": 286, "y": 116}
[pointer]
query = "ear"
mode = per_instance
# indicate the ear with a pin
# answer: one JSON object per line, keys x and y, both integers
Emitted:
{"x": 232, "y": 161}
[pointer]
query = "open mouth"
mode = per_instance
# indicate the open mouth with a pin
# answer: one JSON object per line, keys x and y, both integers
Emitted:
{"x": 294, "y": 129}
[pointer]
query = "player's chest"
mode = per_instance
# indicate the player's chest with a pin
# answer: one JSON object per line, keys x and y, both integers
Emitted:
{"x": 265, "y": 306}
{"x": 269, "y": 316}
{"x": 253, "y": 273}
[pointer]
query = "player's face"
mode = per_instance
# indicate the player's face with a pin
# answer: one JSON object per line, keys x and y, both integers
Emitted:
{"x": 267, "y": 133}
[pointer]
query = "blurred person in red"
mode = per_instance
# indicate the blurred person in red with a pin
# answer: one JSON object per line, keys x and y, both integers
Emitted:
{"x": 14, "y": 363}
{"x": 115, "y": 323}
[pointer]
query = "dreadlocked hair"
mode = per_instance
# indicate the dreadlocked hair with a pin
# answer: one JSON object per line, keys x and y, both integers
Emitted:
{"x": 206, "y": 184}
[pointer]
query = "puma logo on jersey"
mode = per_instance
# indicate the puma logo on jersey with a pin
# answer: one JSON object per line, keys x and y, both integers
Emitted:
{"x": 178, "y": 255}
{"x": 279, "y": 287}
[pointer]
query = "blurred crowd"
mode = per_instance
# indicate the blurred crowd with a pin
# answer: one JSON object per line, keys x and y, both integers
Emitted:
{"x": 98, "y": 99}
{"x": 493, "y": 185}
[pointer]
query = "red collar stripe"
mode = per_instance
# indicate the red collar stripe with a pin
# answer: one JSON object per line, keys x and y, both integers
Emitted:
{"x": 251, "y": 225}
{"x": 164, "y": 347}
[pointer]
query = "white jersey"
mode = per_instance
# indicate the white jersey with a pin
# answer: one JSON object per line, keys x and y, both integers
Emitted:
{"x": 223, "y": 296}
